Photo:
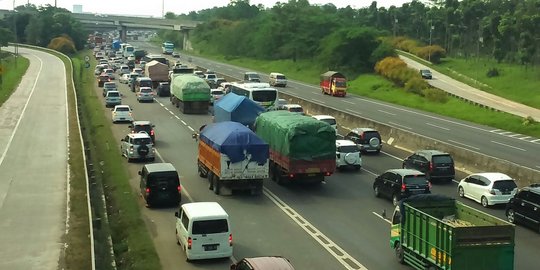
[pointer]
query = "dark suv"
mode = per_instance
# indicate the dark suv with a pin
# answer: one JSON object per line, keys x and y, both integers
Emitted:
{"x": 368, "y": 139}
{"x": 524, "y": 207}
{"x": 435, "y": 164}
{"x": 144, "y": 126}
{"x": 163, "y": 89}
{"x": 159, "y": 184}
{"x": 397, "y": 184}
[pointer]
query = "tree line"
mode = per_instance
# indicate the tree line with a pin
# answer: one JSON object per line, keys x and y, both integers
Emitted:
{"x": 504, "y": 30}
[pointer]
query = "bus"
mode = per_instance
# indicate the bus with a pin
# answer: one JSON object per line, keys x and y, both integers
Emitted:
{"x": 167, "y": 47}
{"x": 128, "y": 51}
{"x": 261, "y": 93}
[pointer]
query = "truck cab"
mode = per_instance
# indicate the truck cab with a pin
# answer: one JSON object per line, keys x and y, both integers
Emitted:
{"x": 333, "y": 83}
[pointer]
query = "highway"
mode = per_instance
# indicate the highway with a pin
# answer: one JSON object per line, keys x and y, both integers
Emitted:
{"x": 336, "y": 225}
{"x": 33, "y": 167}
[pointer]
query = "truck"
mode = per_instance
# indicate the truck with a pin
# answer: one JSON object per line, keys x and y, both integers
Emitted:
{"x": 438, "y": 232}
{"x": 333, "y": 83}
{"x": 232, "y": 157}
{"x": 139, "y": 54}
{"x": 156, "y": 71}
{"x": 236, "y": 108}
{"x": 190, "y": 93}
{"x": 301, "y": 147}
{"x": 116, "y": 45}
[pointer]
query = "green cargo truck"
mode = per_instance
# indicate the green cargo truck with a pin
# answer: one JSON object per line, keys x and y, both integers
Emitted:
{"x": 190, "y": 93}
{"x": 437, "y": 232}
{"x": 301, "y": 147}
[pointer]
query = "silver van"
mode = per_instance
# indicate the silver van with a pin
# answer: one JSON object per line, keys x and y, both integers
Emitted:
{"x": 277, "y": 79}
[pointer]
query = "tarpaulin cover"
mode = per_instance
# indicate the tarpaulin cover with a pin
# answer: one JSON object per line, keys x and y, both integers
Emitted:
{"x": 236, "y": 141}
{"x": 233, "y": 107}
{"x": 188, "y": 87}
{"x": 297, "y": 136}
{"x": 157, "y": 71}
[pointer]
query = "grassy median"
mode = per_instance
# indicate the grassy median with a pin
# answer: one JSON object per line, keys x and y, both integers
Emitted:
{"x": 13, "y": 68}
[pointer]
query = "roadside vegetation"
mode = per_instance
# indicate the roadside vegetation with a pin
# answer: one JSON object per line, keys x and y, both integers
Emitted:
{"x": 13, "y": 70}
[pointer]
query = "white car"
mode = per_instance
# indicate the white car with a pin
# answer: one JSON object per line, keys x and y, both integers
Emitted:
{"x": 348, "y": 155}
{"x": 295, "y": 108}
{"x": 137, "y": 146}
{"x": 328, "y": 119}
{"x": 122, "y": 113}
{"x": 124, "y": 79}
{"x": 488, "y": 188}
{"x": 138, "y": 70}
{"x": 145, "y": 94}
{"x": 124, "y": 69}
{"x": 215, "y": 95}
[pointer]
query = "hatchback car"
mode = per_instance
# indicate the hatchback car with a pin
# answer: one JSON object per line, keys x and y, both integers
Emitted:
{"x": 524, "y": 207}
{"x": 145, "y": 94}
{"x": 143, "y": 126}
{"x": 160, "y": 184}
{"x": 124, "y": 78}
{"x": 109, "y": 72}
{"x": 263, "y": 263}
{"x": 426, "y": 74}
{"x": 175, "y": 55}
{"x": 122, "y": 113}
{"x": 398, "y": 184}
{"x": 101, "y": 79}
{"x": 328, "y": 119}
{"x": 348, "y": 155}
{"x": 215, "y": 95}
{"x": 138, "y": 70}
{"x": 488, "y": 188}
{"x": 368, "y": 139}
{"x": 137, "y": 146}
{"x": 295, "y": 108}
{"x": 435, "y": 164}
{"x": 199, "y": 73}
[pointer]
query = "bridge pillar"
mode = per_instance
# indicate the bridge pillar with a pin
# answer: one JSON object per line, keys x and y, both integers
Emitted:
{"x": 186, "y": 44}
{"x": 122, "y": 30}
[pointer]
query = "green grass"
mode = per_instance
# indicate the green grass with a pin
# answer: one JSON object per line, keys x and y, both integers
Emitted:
{"x": 14, "y": 68}
{"x": 132, "y": 244}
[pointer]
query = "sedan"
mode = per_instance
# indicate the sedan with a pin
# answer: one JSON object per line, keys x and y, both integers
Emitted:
{"x": 145, "y": 94}
{"x": 488, "y": 188}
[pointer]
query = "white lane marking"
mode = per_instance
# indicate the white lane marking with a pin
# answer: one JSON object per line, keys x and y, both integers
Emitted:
{"x": 386, "y": 112}
{"x": 396, "y": 124}
{"x": 167, "y": 109}
{"x": 191, "y": 128}
{"x": 171, "y": 113}
{"x": 505, "y": 133}
{"x": 503, "y": 144}
{"x": 466, "y": 145}
{"x": 319, "y": 101}
{"x": 183, "y": 122}
{"x": 429, "y": 124}
{"x": 350, "y": 102}
{"x": 525, "y": 138}
{"x": 381, "y": 217}
{"x": 160, "y": 103}
{"x": 514, "y": 135}
{"x": 176, "y": 116}
{"x": 537, "y": 140}
{"x": 336, "y": 251}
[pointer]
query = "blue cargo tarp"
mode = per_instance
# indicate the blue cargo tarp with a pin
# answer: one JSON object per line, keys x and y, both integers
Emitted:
{"x": 233, "y": 107}
{"x": 236, "y": 141}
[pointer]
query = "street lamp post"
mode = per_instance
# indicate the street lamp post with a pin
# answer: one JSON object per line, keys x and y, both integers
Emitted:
{"x": 431, "y": 28}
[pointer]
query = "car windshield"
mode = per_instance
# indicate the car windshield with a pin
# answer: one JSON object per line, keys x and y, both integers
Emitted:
{"x": 280, "y": 77}
{"x": 146, "y": 90}
{"x": 505, "y": 184}
{"x": 349, "y": 149}
{"x": 217, "y": 92}
{"x": 330, "y": 121}
{"x": 122, "y": 109}
{"x": 141, "y": 141}
{"x": 415, "y": 180}
{"x": 210, "y": 226}
{"x": 264, "y": 95}
{"x": 442, "y": 159}
{"x": 296, "y": 109}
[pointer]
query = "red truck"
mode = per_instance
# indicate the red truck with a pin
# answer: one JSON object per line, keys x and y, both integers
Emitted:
{"x": 333, "y": 83}
{"x": 301, "y": 147}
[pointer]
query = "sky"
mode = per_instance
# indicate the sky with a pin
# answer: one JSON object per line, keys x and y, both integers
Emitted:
{"x": 136, "y": 7}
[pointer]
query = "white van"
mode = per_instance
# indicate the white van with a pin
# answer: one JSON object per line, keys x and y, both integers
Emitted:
{"x": 277, "y": 79}
{"x": 203, "y": 231}
{"x": 328, "y": 119}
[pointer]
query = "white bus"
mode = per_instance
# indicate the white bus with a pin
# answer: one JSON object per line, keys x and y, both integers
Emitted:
{"x": 261, "y": 93}
{"x": 167, "y": 47}
{"x": 128, "y": 51}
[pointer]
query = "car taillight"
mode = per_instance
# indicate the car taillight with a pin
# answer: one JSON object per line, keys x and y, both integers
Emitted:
{"x": 291, "y": 175}
{"x": 430, "y": 166}
{"x": 179, "y": 188}
{"x": 189, "y": 242}
{"x": 147, "y": 191}
{"x": 429, "y": 185}
{"x": 403, "y": 187}
{"x": 327, "y": 173}
{"x": 152, "y": 132}
{"x": 230, "y": 239}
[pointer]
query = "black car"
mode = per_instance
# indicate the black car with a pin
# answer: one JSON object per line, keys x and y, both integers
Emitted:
{"x": 368, "y": 139}
{"x": 160, "y": 184}
{"x": 163, "y": 89}
{"x": 144, "y": 126}
{"x": 426, "y": 74}
{"x": 397, "y": 184}
{"x": 435, "y": 164}
{"x": 524, "y": 207}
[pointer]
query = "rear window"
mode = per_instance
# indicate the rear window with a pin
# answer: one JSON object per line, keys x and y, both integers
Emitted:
{"x": 109, "y": 84}
{"x": 280, "y": 77}
{"x": 113, "y": 94}
{"x": 264, "y": 95}
{"x": 371, "y": 134}
{"x": 210, "y": 226}
{"x": 415, "y": 180}
{"x": 505, "y": 185}
{"x": 146, "y": 128}
{"x": 442, "y": 159}
{"x": 146, "y": 90}
{"x": 141, "y": 141}
{"x": 163, "y": 178}
{"x": 122, "y": 109}
{"x": 349, "y": 149}
{"x": 217, "y": 92}
{"x": 329, "y": 121}
{"x": 296, "y": 109}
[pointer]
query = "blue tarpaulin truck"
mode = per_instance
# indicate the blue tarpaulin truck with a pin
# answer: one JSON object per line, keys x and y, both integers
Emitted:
{"x": 236, "y": 108}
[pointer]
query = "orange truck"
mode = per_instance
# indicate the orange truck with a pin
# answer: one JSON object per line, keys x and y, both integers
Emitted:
{"x": 333, "y": 83}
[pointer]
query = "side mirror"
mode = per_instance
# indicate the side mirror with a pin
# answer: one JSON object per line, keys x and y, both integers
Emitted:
{"x": 130, "y": 126}
{"x": 153, "y": 125}
{"x": 176, "y": 214}
{"x": 139, "y": 172}
{"x": 122, "y": 140}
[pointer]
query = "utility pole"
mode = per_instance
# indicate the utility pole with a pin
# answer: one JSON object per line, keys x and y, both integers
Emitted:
{"x": 163, "y": 9}
{"x": 431, "y": 28}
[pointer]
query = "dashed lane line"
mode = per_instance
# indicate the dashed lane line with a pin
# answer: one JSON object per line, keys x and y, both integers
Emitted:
{"x": 466, "y": 145}
{"x": 444, "y": 128}
{"x": 507, "y": 145}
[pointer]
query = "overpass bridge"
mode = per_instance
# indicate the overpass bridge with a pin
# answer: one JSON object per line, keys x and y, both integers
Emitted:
{"x": 122, "y": 23}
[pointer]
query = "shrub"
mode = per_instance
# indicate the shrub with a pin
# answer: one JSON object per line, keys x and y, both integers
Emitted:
{"x": 63, "y": 44}
{"x": 492, "y": 72}
{"x": 528, "y": 121}
{"x": 435, "y": 95}
{"x": 415, "y": 85}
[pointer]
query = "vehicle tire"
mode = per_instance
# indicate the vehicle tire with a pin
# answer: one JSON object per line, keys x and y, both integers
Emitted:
{"x": 176, "y": 235}
{"x": 374, "y": 142}
{"x": 152, "y": 159}
{"x": 461, "y": 192}
{"x": 210, "y": 176}
{"x": 400, "y": 256}
{"x": 510, "y": 215}
{"x": 322, "y": 90}
{"x": 484, "y": 202}
{"x": 201, "y": 174}
{"x": 376, "y": 191}
{"x": 217, "y": 185}
{"x": 395, "y": 199}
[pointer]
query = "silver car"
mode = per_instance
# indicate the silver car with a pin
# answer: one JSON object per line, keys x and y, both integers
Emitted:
{"x": 145, "y": 94}
{"x": 137, "y": 146}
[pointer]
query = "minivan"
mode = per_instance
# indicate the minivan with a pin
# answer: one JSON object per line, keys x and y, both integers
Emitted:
{"x": 435, "y": 164}
{"x": 252, "y": 77}
{"x": 203, "y": 231}
{"x": 398, "y": 184}
{"x": 263, "y": 263}
{"x": 277, "y": 79}
{"x": 142, "y": 82}
{"x": 160, "y": 184}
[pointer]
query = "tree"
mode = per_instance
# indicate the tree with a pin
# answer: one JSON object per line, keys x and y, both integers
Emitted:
{"x": 6, "y": 36}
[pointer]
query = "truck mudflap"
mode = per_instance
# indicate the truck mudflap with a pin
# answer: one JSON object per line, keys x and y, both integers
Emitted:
{"x": 193, "y": 107}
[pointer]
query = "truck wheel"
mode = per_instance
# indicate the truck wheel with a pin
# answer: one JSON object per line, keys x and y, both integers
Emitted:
{"x": 322, "y": 90}
{"x": 399, "y": 253}
{"x": 216, "y": 185}
{"x": 201, "y": 173}
{"x": 211, "y": 180}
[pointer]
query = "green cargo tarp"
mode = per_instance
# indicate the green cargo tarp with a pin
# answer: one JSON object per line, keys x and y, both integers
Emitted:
{"x": 297, "y": 136}
{"x": 190, "y": 88}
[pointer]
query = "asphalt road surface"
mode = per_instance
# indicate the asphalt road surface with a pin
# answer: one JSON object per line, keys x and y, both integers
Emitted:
{"x": 33, "y": 167}
{"x": 335, "y": 225}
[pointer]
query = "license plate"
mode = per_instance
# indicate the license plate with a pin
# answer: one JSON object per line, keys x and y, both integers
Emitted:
{"x": 210, "y": 247}
{"x": 313, "y": 170}
{"x": 311, "y": 174}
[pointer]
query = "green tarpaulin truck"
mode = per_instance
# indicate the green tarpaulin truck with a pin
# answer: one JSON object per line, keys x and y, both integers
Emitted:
{"x": 438, "y": 232}
{"x": 301, "y": 147}
{"x": 190, "y": 93}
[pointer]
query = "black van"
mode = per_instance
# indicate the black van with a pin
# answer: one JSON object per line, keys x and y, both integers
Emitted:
{"x": 437, "y": 165}
{"x": 160, "y": 184}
